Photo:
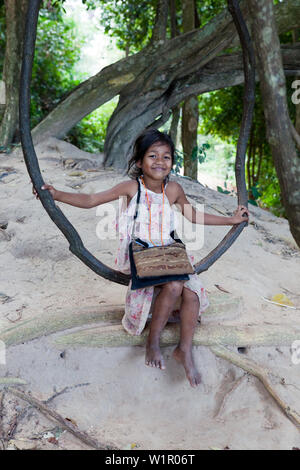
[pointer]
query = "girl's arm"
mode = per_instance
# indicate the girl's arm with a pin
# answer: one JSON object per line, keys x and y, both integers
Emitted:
{"x": 86, "y": 201}
{"x": 197, "y": 217}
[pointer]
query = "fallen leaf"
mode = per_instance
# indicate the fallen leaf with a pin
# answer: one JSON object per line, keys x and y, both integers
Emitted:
{"x": 222, "y": 288}
{"x": 76, "y": 173}
{"x": 282, "y": 299}
{"x": 71, "y": 421}
{"x": 52, "y": 440}
{"x": 23, "y": 444}
{"x": 129, "y": 446}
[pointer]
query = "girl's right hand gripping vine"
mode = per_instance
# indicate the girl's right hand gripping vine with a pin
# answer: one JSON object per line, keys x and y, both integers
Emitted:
{"x": 50, "y": 188}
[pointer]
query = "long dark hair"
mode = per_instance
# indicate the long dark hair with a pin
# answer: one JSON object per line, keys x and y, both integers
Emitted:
{"x": 141, "y": 145}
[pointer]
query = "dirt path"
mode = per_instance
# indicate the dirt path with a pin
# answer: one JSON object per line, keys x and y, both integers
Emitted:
{"x": 105, "y": 391}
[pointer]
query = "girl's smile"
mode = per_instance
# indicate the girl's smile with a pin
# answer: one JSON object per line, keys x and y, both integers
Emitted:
{"x": 156, "y": 164}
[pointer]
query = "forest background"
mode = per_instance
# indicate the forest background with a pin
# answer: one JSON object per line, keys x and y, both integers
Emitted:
{"x": 205, "y": 127}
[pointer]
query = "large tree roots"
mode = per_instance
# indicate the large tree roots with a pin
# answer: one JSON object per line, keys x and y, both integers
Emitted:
{"x": 222, "y": 306}
{"x": 205, "y": 335}
{"x": 265, "y": 376}
{"x": 101, "y": 327}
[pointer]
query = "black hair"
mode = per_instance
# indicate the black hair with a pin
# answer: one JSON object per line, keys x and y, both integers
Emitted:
{"x": 141, "y": 145}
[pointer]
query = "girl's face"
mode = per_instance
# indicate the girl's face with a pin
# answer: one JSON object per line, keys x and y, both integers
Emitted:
{"x": 157, "y": 161}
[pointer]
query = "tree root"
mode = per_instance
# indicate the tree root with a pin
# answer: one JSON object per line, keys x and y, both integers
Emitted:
{"x": 82, "y": 436}
{"x": 262, "y": 374}
{"x": 12, "y": 381}
{"x": 227, "y": 394}
{"x": 54, "y": 321}
{"x": 206, "y": 335}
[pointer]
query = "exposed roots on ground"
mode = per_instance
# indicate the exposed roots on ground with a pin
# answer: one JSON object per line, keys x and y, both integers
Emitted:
{"x": 264, "y": 375}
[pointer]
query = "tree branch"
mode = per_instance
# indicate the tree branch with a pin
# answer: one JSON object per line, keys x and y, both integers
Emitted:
{"x": 49, "y": 413}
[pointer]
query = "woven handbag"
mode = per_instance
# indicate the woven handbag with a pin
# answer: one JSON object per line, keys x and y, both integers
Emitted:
{"x": 157, "y": 265}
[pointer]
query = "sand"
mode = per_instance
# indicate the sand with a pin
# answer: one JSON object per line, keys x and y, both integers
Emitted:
{"x": 109, "y": 392}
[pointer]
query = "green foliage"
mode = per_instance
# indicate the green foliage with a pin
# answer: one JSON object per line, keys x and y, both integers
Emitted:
{"x": 221, "y": 113}
{"x": 132, "y": 21}
{"x": 199, "y": 153}
{"x": 57, "y": 51}
{"x": 207, "y": 9}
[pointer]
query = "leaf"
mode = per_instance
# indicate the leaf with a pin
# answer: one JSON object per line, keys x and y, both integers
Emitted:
{"x": 251, "y": 201}
{"x": 52, "y": 440}
{"x": 71, "y": 421}
{"x": 256, "y": 194}
{"x": 282, "y": 299}
{"x": 222, "y": 288}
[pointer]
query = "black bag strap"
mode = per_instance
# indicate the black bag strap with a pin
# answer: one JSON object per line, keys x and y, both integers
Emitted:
{"x": 136, "y": 206}
{"x": 138, "y": 199}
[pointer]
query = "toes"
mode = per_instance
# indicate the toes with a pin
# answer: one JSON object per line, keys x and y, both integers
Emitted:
{"x": 194, "y": 380}
{"x": 159, "y": 364}
{"x": 193, "y": 383}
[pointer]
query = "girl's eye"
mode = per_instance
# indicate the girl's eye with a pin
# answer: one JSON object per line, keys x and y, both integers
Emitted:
{"x": 166, "y": 156}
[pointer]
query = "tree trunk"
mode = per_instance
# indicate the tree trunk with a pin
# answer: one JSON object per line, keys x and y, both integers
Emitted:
{"x": 273, "y": 90}
{"x": 2, "y": 99}
{"x": 189, "y": 133}
{"x": 174, "y": 124}
{"x": 176, "y": 110}
{"x": 15, "y": 13}
{"x": 190, "y": 111}
{"x": 160, "y": 25}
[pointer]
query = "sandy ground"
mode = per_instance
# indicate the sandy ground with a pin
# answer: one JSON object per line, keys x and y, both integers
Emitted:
{"x": 108, "y": 392}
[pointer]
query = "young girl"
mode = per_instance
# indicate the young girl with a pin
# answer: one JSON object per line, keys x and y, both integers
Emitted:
{"x": 152, "y": 162}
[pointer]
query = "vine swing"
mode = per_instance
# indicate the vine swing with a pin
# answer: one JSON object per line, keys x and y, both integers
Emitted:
{"x": 75, "y": 243}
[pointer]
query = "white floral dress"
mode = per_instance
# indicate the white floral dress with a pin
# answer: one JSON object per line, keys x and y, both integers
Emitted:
{"x": 139, "y": 303}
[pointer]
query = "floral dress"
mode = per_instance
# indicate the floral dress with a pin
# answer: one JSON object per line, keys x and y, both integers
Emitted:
{"x": 139, "y": 303}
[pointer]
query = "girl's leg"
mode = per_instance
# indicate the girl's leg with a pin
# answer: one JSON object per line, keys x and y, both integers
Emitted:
{"x": 188, "y": 321}
{"x": 163, "y": 306}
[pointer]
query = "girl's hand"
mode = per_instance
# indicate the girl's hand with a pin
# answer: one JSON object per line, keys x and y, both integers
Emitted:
{"x": 50, "y": 188}
{"x": 238, "y": 215}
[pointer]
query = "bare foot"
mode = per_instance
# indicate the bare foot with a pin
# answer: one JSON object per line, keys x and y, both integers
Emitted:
{"x": 186, "y": 359}
{"x": 154, "y": 357}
